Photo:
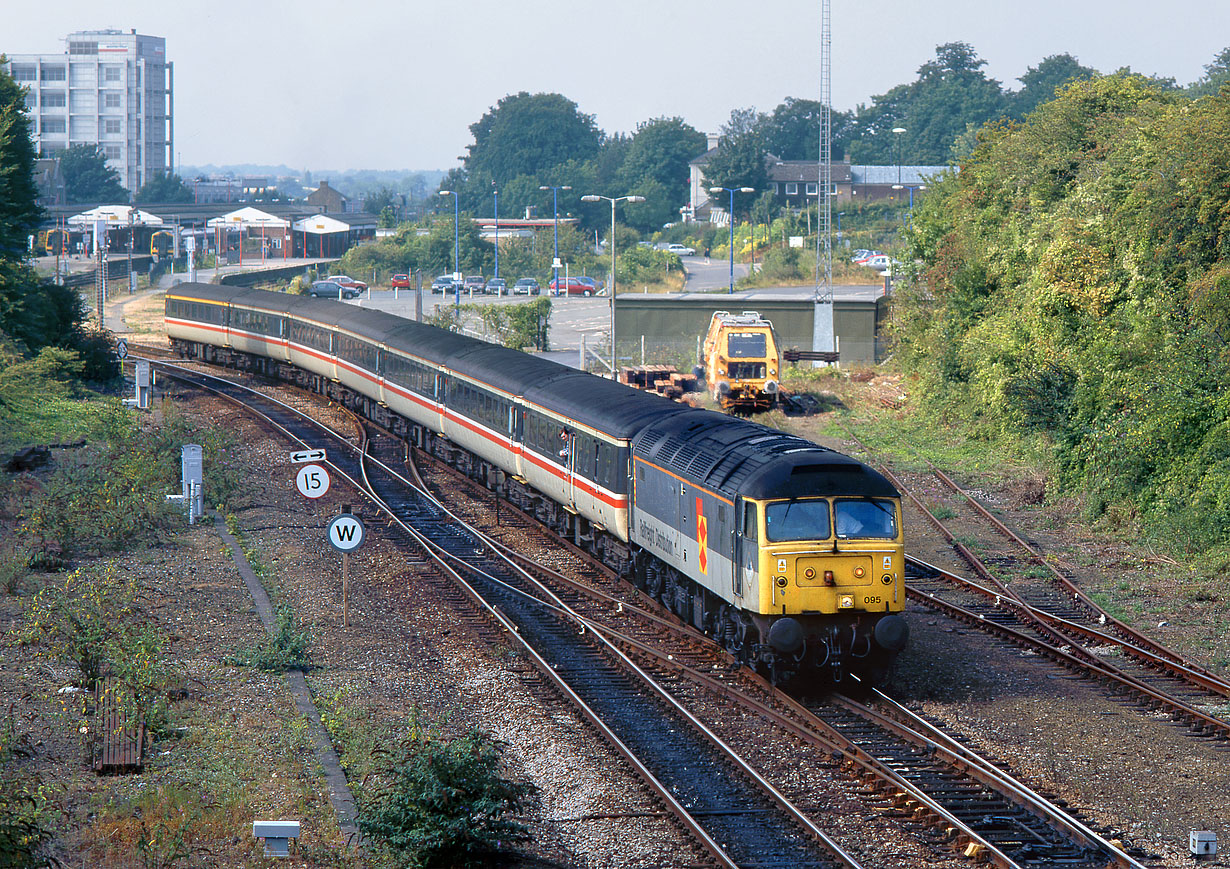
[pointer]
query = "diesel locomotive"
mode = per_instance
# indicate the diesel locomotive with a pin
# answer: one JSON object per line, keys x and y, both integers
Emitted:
{"x": 789, "y": 554}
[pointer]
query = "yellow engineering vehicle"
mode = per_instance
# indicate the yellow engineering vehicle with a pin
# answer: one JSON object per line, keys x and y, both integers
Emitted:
{"x": 741, "y": 364}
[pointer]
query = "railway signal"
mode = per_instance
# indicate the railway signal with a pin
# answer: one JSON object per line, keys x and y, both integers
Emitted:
{"x": 346, "y": 533}
{"x": 312, "y": 481}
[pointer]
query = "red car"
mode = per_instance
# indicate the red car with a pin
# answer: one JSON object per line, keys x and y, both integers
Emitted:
{"x": 399, "y": 282}
{"x": 347, "y": 282}
{"x": 574, "y": 287}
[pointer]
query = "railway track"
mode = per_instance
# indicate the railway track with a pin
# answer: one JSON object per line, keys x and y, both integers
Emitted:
{"x": 917, "y": 772}
{"x": 912, "y": 771}
{"x": 736, "y": 815}
{"x": 1022, "y": 596}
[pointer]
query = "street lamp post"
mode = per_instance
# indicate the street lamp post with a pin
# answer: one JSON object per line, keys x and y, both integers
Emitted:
{"x": 732, "y": 191}
{"x": 456, "y": 246}
{"x": 555, "y": 209}
{"x": 496, "y": 194}
{"x": 897, "y": 131}
{"x": 593, "y": 197}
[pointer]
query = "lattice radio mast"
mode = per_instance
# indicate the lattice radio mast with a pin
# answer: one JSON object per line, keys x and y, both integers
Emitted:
{"x": 822, "y": 329}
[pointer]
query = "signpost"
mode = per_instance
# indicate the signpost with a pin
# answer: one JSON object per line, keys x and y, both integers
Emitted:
{"x": 309, "y": 455}
{"x": 312, "y": 481}
{"x": 346, "y": 533}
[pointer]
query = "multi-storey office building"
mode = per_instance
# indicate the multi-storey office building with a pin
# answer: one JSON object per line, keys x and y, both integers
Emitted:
{"x": 110, "y": 88}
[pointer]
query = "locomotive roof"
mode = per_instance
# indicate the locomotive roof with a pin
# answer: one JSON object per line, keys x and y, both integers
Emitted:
{"x": 737, "y": 457}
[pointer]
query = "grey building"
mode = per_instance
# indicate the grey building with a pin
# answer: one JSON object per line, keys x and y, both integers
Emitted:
{"x": 111, "y": 88}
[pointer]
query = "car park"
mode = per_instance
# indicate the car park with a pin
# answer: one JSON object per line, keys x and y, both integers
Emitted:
{"x": 525, "y": 287}
{"x": 347, "y": 282}
{"x": 331, "y": 290}
{"x": 399, "y": 282}
{"x": 680, "y": 250}
{"x": 496, "y": 287}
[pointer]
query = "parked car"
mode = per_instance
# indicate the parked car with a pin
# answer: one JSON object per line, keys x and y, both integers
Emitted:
{"x": 473, "y": 284}
{"x": 496, "y": 287}
{"x": 443, "y": 284}
{"x": 574, "y": 287}
{"x": 525, "y": 287}
{"x": 347, "y": 282}
{"x": 399, "y": 282}
{"x": 881, "y": 262}
{"x": 681, "y": 250}
{"x": 331, "y": 290}
{"x": 861, "y": 256}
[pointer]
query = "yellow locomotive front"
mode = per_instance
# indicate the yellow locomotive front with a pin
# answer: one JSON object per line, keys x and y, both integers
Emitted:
{"x": 829, "y": 579}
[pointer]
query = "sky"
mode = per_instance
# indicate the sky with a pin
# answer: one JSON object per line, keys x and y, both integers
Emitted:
{"x": 383, "y": 84}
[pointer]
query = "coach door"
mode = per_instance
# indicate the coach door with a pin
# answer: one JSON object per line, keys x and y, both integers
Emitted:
{"x": 568, "y": 452}
{"x": 747, "y": 547}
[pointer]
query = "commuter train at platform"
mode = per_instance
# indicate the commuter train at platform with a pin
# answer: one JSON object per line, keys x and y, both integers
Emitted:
{"x": 789, "y": 554}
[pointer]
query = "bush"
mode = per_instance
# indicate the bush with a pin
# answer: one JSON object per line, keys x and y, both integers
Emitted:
{"x": 445, "y": 803}
{"x": 286, "y": 649}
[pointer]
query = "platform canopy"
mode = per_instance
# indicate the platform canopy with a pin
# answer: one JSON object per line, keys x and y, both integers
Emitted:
{"x": 248, "y": 218}
{"x": 321, "y": 224}
{"x": 115, "y": 215}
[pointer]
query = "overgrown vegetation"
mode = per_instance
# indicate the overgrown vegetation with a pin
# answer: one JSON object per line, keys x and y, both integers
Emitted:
{"x": 520, "y": 327}
{"x": 25, "y": 808}
{"x": 286, "y": 649}
{"x": 113, "y": 496}
{"x": 1076, "y": 290}
{"x": 443, "y": 801}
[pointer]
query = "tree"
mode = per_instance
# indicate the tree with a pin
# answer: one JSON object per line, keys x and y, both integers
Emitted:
{"x": 377, "y": 201}
{"x": 1216, "y": 74}
{"x": 951, "y": 93}
{"x": 792, "y": 132}
{"x": 1039, "y": 84}
{"x": 88, "y": 178}
{"x": 740, "y": 157}
{"x": 19, "y": 211}
{"x": 164, "y": 188}
{"x": 529, "y": 134}
{"x": 660, "y": 152}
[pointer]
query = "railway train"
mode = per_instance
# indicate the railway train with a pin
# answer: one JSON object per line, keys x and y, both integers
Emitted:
{"x": 741, "y": 362}
{"x": 162, "y": 244}
{"x": 789, "y": 554}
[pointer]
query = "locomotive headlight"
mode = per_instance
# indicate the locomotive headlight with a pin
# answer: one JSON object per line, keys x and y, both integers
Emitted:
{"x": 887, "y": 579}
{"x": 781, "y": 582}
{"x": 859, "y": 572}
{"x": 829, "y": 579}
{"x": 846, "y": 602}
{"x": 810, "y": 573}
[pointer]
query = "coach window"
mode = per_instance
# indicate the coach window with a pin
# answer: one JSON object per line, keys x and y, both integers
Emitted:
{"x": 586, "y": 456}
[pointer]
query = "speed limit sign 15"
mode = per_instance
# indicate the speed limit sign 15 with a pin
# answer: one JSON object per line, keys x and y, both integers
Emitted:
{"x": 312, "y": 481}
